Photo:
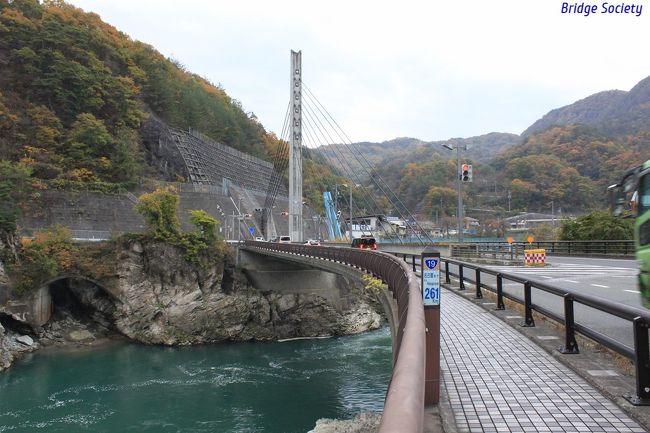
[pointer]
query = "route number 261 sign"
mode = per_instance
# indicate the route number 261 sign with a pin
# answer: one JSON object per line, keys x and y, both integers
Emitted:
{"x": 431, "y": 281}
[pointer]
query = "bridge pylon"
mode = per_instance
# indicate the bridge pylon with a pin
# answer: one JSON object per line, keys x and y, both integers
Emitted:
{"x": 295, "y": 153}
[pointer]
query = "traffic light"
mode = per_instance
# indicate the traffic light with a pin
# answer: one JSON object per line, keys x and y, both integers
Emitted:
{"x": 466, "y": 173}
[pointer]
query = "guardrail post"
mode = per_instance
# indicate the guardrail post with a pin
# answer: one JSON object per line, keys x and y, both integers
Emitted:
{"x": 479, "y": 294}
{"x": 570, "y": 343}
{"x": 461, "y": 279}
{"x": 500, "y": 305}
{"x": 625, "y": 243}
{"x": 447, "y": 279}
{"x": 528, "y": 305}
{"x": 642, "y": 364}
{"x": 413, "y": 262}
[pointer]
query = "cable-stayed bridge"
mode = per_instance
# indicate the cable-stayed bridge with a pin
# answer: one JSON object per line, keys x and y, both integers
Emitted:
{"x": 263, "y": 199}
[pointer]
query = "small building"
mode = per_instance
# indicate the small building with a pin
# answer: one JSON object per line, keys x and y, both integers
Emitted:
{"x": 530, "y": 220}
{"x": 376, "y": 225}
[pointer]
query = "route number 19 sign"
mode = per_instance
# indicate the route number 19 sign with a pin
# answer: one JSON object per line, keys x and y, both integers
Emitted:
{"x": 431, "y": 280}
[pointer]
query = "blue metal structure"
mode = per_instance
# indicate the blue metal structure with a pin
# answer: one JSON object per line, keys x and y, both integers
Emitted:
{"x": 333, "y": 227}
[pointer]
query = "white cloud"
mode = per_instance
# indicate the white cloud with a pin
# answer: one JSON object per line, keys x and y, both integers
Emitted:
{"x": 429, "y": 69}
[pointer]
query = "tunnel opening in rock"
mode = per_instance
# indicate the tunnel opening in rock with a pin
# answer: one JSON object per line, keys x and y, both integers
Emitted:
{"x": 81, "y": 311}
{"x": 10, "y": 323}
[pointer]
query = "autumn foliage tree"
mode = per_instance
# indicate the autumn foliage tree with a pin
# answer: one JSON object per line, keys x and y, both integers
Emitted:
{"x": 159, "y": 210}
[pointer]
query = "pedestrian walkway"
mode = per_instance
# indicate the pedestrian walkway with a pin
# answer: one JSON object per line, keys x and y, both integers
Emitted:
{"x": 497, "y": 380}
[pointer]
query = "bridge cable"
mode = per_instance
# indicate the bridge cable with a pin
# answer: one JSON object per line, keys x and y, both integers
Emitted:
{"x": 342, "y": 161}
{"x": 376, "y": 178}
{"x": 354, "y": 152}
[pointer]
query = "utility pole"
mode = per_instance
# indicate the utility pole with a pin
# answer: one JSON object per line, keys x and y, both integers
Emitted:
{"x": 295, "y": 154}
{"x": 553, "y": 212}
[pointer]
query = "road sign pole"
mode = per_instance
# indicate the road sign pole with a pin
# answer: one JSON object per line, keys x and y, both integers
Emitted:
{"x": 430, "y": 260}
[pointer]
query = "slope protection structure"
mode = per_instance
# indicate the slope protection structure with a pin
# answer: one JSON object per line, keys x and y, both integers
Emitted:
{"x": 228, "y": 184}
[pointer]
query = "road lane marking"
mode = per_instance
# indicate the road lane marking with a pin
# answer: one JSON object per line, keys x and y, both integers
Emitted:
{"x": 571, "y": 281}
{"x": 632, "y": 291}
{"x": 600, "y": 285}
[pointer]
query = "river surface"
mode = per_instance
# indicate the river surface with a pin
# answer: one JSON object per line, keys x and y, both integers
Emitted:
{"x": 244, "y": 387}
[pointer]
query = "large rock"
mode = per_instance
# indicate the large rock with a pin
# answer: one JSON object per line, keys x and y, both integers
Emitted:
{"x": 163, "y": 299}
{"x": 25, "y": 340}
{"x": 5, "y": 354}
{"x": 79, "y": 335}
{"x": 366, "y": 422}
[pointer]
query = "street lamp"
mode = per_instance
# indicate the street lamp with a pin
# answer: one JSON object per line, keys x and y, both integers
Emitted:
{"x": 459, "y": 213}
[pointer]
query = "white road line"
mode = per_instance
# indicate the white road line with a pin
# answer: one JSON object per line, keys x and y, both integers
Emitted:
{"x": 600, "y": 285}
{"x": 571, "y": 281}
{"x": 545, "y": 276}
{"x": 632, "y": 291}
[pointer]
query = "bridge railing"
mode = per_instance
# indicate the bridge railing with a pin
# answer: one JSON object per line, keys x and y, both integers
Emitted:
{"x": 404, "y": 405}
{"x": 638, "y": 318}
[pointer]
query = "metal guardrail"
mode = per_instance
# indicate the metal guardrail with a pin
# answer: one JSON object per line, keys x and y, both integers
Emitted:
{"x": 404, "y": 405}
{"x": 623, "y": 248}
{"x": 639, "y": 318}
{"x": 77, "y": 235}
{"x": 501, "y": 251}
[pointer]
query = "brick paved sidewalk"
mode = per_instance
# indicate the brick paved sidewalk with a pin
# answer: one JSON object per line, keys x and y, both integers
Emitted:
{"x": 498, "y": 380}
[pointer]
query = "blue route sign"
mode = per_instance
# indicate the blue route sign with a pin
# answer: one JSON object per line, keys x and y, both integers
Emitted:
{"x": 431, "y": 279}
{"x": 251, "y": 230}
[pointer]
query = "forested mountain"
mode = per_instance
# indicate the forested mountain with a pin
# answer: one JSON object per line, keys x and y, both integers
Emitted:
{"x": 74, "y": 91}
{"x": 567, "y": 166}
{"x": 613, "y": 112}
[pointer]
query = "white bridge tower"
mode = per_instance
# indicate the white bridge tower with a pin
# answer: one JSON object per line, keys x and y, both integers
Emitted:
{"x": 295, "y": 151}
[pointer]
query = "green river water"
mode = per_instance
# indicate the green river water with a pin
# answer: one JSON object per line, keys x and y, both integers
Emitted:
{"x": 245, "y": 387}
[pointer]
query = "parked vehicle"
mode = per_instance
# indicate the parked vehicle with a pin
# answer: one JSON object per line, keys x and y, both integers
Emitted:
{"x": 365, "y": 242}
{"x": 259, "y": 239}
{"x": 285, "y": 239}
{"x": 631, "y": 198}
{"x": 312, "y": 242}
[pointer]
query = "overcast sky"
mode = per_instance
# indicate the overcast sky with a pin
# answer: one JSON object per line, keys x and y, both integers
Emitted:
{"x": 427, "y": 69}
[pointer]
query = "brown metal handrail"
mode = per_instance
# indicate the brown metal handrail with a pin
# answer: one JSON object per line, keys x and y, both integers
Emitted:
{"x": 404, "y": 405}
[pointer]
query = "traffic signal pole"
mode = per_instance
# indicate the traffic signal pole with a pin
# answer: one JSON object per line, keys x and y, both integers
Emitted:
{"x": 460, "y": 197}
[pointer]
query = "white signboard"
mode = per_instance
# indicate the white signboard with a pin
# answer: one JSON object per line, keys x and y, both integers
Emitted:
{"x": 431, "y": 281}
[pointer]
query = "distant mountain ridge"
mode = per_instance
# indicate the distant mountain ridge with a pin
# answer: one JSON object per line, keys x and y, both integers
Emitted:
{"x": 567, "y": 158}
{"x": 406, "y": 150}
{"x": 613, "y": 112}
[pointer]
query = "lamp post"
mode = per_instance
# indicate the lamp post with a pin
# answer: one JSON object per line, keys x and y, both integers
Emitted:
{"x": 459, "y": 213}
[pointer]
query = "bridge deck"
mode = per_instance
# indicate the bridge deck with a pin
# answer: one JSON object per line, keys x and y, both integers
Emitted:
{"x": 498, "y": 380}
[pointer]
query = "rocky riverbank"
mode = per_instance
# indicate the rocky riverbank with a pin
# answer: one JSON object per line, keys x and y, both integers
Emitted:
{"x": 158, "y": 297}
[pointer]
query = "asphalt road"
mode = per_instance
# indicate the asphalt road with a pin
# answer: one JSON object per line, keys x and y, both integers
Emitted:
{"x": 611, "y": 279}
